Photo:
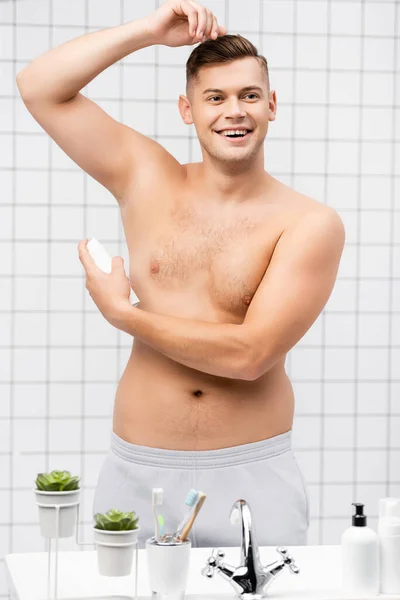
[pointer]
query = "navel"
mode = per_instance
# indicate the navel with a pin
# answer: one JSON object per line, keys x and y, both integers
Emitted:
{"x": 197, "y": 393}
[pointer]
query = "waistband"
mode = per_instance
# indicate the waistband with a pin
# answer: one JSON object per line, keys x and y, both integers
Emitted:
{"x": 201, "y": 459}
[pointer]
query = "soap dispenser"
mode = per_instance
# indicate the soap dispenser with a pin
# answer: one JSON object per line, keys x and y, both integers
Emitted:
{"x": 389, "y": 545}
{"x": 360, "y": 556}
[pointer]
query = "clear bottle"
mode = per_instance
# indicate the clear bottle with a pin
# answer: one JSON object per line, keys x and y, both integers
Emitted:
{"x": 360, "y": 556}
{"x": 389, "y": 544}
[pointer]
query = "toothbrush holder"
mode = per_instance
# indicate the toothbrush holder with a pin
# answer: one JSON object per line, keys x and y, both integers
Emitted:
{"x": 168, "y": 567}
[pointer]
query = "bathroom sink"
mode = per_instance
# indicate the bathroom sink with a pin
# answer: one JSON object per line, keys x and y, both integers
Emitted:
{"x": 321, "y": 594}
{"x": 141, "y": 597}
{"x": 319, "y": 577}
{"x": 187, "y": 597}
{"x": 316, "y": 594}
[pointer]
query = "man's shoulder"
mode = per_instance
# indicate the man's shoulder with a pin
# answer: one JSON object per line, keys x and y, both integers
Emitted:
{"x": 304, "y": 208}
{"x": 322, "y": 217}
{"x": 309, "y": 205}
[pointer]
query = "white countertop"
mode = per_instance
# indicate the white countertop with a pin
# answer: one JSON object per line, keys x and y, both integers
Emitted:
{"x": 319, "y": 577}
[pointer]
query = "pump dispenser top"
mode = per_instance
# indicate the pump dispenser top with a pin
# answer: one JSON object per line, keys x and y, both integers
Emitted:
{"x": 359, "y": 519}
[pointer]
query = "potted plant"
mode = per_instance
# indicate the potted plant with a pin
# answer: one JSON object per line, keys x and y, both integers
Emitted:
{"x": 115, "y": 534}
{"x": 57, "y": 495}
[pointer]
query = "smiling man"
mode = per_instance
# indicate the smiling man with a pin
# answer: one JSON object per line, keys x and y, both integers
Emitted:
{"x": 231, "y": 266}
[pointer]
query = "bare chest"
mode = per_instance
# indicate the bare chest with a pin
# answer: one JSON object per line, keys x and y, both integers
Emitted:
{"x": 196, "y": 263}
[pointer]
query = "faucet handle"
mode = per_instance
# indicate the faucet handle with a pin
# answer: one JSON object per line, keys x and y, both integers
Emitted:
{"x": 212, "y": 562}
{"x": 288, "y": 560}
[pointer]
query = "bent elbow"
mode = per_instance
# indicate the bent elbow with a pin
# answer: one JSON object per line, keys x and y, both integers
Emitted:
{"x": 259, "y": 365}
{"x": 251, "y": 369}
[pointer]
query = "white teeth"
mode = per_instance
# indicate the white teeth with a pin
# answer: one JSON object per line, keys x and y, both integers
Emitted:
{"x": 233, "y": 131}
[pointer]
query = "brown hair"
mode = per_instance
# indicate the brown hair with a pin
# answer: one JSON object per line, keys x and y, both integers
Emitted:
{"x": 225, "y": 48}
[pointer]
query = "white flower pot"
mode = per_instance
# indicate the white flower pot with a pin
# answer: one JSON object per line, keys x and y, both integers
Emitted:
{"x": 48, "y": 512}
{"x": 115, "y": 551}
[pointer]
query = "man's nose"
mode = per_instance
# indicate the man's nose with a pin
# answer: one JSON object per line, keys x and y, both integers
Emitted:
{"x": 234, "y": 109}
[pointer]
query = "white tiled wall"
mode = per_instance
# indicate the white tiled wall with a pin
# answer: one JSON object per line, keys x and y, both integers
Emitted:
{"x": 335, "y": 67}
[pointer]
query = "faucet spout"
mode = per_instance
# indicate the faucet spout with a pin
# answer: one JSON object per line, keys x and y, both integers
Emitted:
{"x": 250, "y": 554}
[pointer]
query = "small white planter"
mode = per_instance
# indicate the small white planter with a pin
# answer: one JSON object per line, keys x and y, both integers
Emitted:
{"x": 63, "y": 503}
{"x": 115, "y": 551}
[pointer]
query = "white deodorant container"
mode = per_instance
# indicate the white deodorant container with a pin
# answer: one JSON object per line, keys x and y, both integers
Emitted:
{"x": 99, "y": 255}
{"x": 389, "y": 544}
{"x": 104, "y": 261}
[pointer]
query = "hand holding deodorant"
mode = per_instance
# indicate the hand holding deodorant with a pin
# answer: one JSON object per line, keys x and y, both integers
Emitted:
{"x": 104, "y": 261}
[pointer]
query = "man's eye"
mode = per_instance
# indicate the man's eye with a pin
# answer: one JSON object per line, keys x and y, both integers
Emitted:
{"x": 250, "y": 94}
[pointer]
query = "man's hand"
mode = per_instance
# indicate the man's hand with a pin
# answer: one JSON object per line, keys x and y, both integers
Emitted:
{"x": 109, "y": 291}
{"x": 183, "y": 23}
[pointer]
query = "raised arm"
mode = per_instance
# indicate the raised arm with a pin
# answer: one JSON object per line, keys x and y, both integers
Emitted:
{"x": 109, "y": 151}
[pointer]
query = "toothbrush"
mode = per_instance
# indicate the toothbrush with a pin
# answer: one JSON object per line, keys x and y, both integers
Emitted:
{"x": 157, "y": 500}
{"x": 196, "y": 510}
{"x": 161, "y": 523}
{"x": 191, "y": 499}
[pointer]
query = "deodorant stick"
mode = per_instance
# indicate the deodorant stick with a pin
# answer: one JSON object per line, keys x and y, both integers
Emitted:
{"x": 103, "y": 260}
{"x": 100, "y": 255}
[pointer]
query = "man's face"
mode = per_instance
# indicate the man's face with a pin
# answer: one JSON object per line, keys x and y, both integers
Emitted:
{"x": 232, "y": 108}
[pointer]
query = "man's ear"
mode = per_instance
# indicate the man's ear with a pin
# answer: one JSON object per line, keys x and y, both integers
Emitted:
{"x": 185, "y": 109}
{"x": 273, "y": 105}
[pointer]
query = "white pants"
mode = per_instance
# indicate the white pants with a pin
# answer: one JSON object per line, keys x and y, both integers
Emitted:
{"x": 265, "y": 474}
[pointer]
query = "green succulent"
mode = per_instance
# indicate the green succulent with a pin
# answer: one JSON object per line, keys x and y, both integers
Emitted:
{"x": 57, "y": 481}
{"x": 115, "y": 520}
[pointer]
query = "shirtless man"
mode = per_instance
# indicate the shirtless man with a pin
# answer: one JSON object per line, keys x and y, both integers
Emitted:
{"x": 231, "y": 267}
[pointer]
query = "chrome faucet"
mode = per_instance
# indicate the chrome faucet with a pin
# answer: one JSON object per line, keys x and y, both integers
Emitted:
{"x": 250, "y": 579}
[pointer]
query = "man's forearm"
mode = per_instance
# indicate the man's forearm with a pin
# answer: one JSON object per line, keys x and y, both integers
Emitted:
{"x": 215, "y": 348}
{"x": 59, "y": 74}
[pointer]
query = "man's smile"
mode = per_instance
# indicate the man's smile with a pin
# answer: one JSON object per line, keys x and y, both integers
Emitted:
{"x": 235, "y": 139}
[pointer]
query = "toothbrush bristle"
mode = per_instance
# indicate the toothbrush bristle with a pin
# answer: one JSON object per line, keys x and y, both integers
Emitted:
{"x": 161, "y": 523}
{"x": 192, "y": 497}
{"x": 158, "y": 496}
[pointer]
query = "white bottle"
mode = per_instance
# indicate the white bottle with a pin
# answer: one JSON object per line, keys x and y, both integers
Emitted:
{"x": 104, "y": 261}
{"x": 360, "y": 556}
{"x": 389, "y": 544}
{"x": 99, "y": 254}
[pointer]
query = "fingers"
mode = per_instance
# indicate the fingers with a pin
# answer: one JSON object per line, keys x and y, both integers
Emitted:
{"x": 202, "y": 23}
{"x": 84, "y": 255}
{"x": 192, "y": 18}
{"x": 214, "y": 32}
{"x": 222, "y": 30}
{"x": 117, "y": 262}
{"x": 209, "y": 24}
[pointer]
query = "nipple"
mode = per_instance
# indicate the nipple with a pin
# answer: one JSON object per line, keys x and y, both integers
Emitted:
{"x": 246, "y": 299}
{"x": 154, "y": 267}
